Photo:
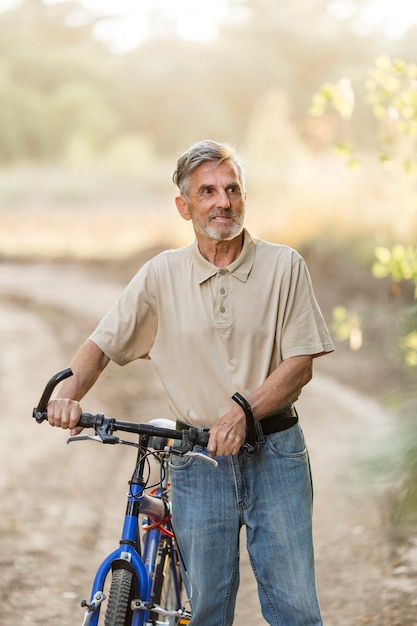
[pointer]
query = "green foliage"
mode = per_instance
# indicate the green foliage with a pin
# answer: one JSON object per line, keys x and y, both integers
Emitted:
{"x": 399, "y": 262}
{"x": 339, "y": 95}
{"x": 346, "y": 152}
{"x": 167, "y": 91}
{"x": 346, "y": 325}
{"x": 392, "y": 93}
{"x": 409, "y": 345}
{"x": 405, "y": 442}
{"x": 76, "y": 110}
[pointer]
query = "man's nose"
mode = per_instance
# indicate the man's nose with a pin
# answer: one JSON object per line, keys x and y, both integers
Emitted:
{"x": 223, "y": 200}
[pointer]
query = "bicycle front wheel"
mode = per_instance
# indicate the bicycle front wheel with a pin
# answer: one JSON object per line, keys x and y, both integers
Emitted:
{"x": 167, "y": 585}
{"x": 119, "y": 612}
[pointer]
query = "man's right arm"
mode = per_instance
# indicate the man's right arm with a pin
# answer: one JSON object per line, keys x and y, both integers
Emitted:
{"x": 87, "y": 365}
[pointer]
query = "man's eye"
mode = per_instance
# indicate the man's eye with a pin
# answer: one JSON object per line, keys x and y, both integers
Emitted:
{"x": 233, "y": 189}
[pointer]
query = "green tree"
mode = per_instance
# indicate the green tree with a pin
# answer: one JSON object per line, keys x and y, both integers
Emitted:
{"x": 391, "y": 93}
{"x": 167, "y": 91}
{"x": 52, "y": 78}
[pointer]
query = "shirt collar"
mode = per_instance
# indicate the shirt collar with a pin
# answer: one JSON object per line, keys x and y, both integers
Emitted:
{"x": 240, "y": 268}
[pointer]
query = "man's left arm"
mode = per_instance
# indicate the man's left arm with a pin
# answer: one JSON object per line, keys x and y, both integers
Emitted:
{"x": 282, "y": 387}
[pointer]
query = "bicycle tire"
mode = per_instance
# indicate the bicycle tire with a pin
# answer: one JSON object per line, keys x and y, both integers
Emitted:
{"x": 118, "y": 612}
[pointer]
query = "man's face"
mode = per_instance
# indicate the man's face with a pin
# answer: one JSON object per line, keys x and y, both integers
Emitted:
{"x": 216, "y": 201}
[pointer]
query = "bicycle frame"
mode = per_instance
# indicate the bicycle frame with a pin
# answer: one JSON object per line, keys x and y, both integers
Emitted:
{"x": 144, "y": 564}
{"x": 141, "y": 556}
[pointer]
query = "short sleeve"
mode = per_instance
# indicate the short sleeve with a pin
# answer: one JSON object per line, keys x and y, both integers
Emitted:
{"x": 129, "y": 329}
{"x": 304, "y": 330}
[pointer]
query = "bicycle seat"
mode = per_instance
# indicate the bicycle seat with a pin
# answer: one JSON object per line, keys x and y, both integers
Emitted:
{"x": 159, "y": 443}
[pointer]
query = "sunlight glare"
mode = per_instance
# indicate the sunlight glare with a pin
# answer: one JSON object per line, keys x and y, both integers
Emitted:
{"x": 128, "y": 23}
{"x": 125, "y": 24}
{"x": 395, "y": 18}
{"x": 392, "y": 18}
{"x": 131, "y": 22}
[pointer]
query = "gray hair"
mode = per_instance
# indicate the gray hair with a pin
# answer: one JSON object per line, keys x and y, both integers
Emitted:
{"x": 201, "y": 152}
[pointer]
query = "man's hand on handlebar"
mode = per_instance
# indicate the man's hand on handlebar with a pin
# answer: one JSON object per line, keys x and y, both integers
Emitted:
{"x": 231, "y": 431}
{"x": 228, "y": 434}
{"x": 65, "y": 413}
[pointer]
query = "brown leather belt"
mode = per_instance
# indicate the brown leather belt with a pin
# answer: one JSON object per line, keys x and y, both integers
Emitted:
{"x": 273, "y": 423}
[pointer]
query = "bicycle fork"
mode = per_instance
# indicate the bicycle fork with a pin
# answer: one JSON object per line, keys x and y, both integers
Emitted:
{"x": 128, "y": 554}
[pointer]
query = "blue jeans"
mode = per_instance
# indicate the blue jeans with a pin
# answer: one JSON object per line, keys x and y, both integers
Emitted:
{"x": 271, "y": 494}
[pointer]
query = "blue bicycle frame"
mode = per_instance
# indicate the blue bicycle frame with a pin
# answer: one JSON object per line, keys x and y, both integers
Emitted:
{"x": 141, "y": 562}
{"x": 129, "y": 555}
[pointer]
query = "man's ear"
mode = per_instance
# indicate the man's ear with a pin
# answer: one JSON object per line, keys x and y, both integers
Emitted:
{"x": 182, "y": 207}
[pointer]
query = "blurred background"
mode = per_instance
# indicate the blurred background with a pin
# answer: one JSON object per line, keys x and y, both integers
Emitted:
{"x": 99, "y": 97}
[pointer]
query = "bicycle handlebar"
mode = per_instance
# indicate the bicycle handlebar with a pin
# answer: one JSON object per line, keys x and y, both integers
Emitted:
{"x": 251, "y": 443}
{"x": 39, "y": 412}
{"x": 105, "y": 426}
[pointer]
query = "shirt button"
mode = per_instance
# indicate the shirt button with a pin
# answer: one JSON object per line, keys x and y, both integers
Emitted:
{"x": 222, "y": 309}
{"x": 222, "y": 272}
{"x": 222, "y": 290}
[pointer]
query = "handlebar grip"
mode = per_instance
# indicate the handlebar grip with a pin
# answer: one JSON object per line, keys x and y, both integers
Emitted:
{"x": 88, "y": 420}
{"x": 202, "y": 438}
{"x": 39, "y": 412}
{"x": 251, "y": 443}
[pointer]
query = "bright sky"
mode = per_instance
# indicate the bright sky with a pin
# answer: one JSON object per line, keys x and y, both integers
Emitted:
{"x": 189, "y": 19}
{"x": 394, "y": 16}
{"x": 198, "y": 19}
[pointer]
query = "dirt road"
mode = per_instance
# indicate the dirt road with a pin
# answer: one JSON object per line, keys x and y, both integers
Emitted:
{"x": 61, "y": 505}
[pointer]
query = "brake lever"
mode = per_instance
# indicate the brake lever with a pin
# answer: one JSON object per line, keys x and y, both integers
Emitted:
{"x": 200, "y": 455}
{"x": 84, "y": 438}
{"x": 178, "y": 451}
{"x": 101, "y": 436}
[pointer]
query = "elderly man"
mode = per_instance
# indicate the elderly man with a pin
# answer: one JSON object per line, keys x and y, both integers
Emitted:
{"x": 228, "y": 313}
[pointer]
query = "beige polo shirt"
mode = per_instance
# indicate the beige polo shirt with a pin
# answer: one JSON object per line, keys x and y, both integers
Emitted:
{"x": 213, "y": 331}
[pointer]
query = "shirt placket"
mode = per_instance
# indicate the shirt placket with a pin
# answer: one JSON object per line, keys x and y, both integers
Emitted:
{"x": 222, "y": 305}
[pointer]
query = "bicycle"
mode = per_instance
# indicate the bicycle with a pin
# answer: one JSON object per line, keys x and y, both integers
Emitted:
{"x": 146, "y": 587}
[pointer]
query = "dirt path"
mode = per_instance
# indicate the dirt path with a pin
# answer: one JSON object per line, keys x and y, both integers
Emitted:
{"x": 61, "y": 505}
